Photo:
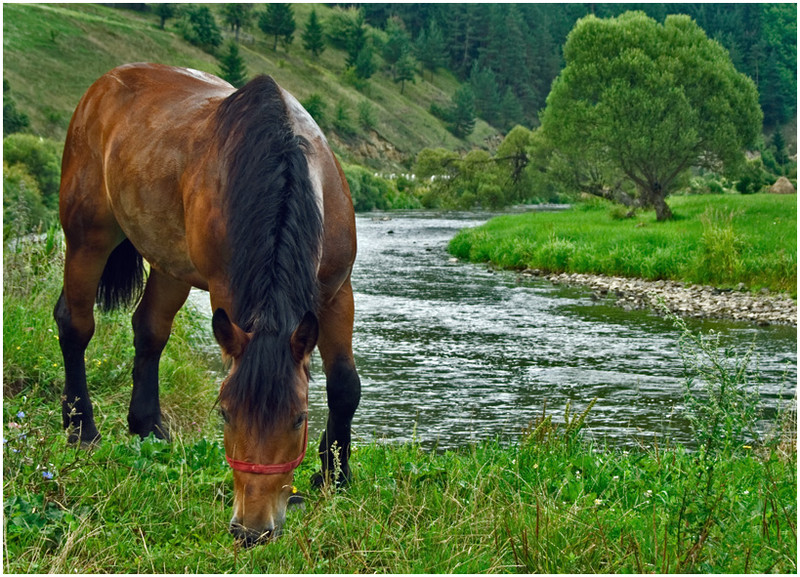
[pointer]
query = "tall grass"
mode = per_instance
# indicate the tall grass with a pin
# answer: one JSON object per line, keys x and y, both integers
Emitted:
{"x": 550, "y": 501}
{"x": 720, "y": 240}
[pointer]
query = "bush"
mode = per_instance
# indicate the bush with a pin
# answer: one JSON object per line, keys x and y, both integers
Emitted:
{"x": 366, "y": 115}
{"x": 316, "y": 107}
{"x": 753, "y": 177}
{"x": 41, "y": 159}
{"x": 199, "y": 27}
{"x": 23, "y": 209}
{"x": 341, "y": 120}
{"x": 371, "y": 192}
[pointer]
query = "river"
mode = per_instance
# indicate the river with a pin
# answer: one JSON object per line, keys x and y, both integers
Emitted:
{"x": 450, "y": 353}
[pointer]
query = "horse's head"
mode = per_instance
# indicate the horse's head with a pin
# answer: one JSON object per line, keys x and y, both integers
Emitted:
{"x": 264, "y": 402}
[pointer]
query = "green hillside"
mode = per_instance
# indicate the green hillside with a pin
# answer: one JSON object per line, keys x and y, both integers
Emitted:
{"x": 52, "y": 53}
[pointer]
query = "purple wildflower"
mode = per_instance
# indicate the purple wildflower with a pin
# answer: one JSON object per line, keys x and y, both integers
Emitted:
{"x": 47, "y": 475}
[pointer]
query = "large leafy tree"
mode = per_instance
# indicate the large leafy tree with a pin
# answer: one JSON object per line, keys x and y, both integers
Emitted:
{"x": 649, "y": 101}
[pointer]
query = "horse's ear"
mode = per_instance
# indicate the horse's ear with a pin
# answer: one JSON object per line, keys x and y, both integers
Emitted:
{"x": 304, "y": 337}
{"x": 231, "y": 338}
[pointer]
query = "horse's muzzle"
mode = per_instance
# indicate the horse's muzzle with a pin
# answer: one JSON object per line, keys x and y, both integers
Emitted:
{"x": 249, "y": 537}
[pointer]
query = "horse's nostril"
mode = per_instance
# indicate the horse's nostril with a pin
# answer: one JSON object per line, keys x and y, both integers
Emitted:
{"x": 250, "y": 537}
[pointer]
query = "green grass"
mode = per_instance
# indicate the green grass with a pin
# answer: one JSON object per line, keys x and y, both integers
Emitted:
{"x": 52, "y": 54}
{"x": 548, "y": 501}
{"x": 720, "y": 240}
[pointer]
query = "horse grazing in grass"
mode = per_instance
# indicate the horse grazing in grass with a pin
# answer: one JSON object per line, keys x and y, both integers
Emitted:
{"x": 231, "y": 191}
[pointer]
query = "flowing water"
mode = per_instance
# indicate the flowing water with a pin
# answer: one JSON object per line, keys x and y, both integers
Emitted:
{"x": 451, "y": 352}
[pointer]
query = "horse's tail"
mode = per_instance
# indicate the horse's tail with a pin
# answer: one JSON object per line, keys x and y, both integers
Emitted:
{"x": 123, "y": 278}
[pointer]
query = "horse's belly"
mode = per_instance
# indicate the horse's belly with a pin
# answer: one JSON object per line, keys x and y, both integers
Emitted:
{"x": 158, "y": 232}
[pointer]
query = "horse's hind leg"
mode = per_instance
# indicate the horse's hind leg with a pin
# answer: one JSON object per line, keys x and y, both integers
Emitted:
{"x": 152, "y": 323}
{"x": 74, "y": 315}
{"x": 342, "y": 382}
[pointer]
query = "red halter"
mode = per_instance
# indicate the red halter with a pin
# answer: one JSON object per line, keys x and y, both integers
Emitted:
{"x": 246, "y": 467}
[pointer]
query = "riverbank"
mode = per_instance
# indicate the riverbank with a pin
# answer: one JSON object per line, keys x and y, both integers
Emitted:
{"x": 684, "y": 300}
{"x": 723, "y": 256}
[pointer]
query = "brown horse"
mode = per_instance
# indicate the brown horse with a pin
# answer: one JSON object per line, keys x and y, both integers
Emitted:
{"x": 231, "y": 191}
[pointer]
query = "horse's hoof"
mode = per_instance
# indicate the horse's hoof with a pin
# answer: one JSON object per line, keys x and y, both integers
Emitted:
{"x": 144, "y": 427}
{"x": 85, "y": 442}
{"x": 318, "y": 480}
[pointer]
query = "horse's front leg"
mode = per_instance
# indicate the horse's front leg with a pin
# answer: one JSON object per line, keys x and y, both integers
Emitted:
{"x": 343, "y": 385}
{"x": 152, "y": 323}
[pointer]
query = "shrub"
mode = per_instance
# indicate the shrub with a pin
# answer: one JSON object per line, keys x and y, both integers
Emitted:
{"x": 316, "y": 107}
{"x": 366, "y": 115}
{"x": 42, "y": 160}
{"x": 341, "y": 120}
{"x": 753, "y": 177}
{"x": 23, "y": 209}
{"x": 371, "y": 192}
{"x": 199, "y": 27}
{"x": 720, "y": 248}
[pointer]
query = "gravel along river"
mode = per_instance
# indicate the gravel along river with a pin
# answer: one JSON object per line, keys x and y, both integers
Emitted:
{"x": 450, "y": 353}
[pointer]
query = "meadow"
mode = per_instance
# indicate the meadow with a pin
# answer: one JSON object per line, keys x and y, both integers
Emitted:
{"x": 545, "y": 499}
{"x": 720, "y": 240}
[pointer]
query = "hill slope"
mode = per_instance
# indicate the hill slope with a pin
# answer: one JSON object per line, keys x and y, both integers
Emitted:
{"x": 52, "y": 53}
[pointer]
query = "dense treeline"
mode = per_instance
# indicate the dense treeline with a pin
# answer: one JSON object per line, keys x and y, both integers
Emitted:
{"x": 518, "y": 47}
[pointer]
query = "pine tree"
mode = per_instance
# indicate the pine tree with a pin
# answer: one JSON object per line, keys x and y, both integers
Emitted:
{"x": 356, "y": 39}
{"x": 397, "y": 43}
{"x": 236, "y": 16}
{"x": 314, "y": 36}
{"x": 278, "y": 21}
{"x": 484, "y": 87}
{"x": 404, "y": 69}
{"x": 232, "y": 67}
{"x": 430, "y": 47}
{"x": 462, "y": 112}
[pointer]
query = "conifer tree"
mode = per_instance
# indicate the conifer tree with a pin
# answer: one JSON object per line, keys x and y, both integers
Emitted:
{"x": 236, "y": 16}
{"x": 232, "y": 66}
{"x": 314, "y": 36}
{"x": 404, "y": 69}
{"x": 278, "y": 21}
{"x": 430, "y": 47}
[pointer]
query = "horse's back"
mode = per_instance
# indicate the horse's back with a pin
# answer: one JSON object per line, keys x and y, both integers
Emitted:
{"x": 133, "y": 137}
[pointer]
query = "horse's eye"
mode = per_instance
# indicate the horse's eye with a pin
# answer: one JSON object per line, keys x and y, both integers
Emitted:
{"x": 300, "y": 420}
{"x": 224, "y": 415}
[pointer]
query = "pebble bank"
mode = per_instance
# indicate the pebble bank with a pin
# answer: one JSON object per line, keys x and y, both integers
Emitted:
{"x": 683, "y": 299}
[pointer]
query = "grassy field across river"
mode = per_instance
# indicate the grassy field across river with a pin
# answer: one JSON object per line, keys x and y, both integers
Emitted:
{"x": 720, "y": 240}
{"x": 545, "y": 499}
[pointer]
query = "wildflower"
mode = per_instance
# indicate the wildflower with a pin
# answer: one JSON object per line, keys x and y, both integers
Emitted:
{"x": 536, "y": 465}
{"x": 47, "y": 475}
{"x": 615, "y": 478}
{"x": 746, "y": 447}
{"x": 294, "y": 489}
{"x": 21, "y": 415}
{"x": 746, "y": 492}
{"x": 598, "y": 501}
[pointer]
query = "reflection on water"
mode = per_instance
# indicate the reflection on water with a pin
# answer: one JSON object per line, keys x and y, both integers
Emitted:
{"x": 450, "y": 352}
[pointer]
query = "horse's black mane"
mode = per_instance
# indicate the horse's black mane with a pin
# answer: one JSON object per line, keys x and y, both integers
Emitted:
{"x": 274, "y": 229}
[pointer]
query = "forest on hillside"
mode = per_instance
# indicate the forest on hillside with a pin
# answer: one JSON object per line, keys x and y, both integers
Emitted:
{"x": 510, "y": 53}
{"x": 457, "y": 63}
